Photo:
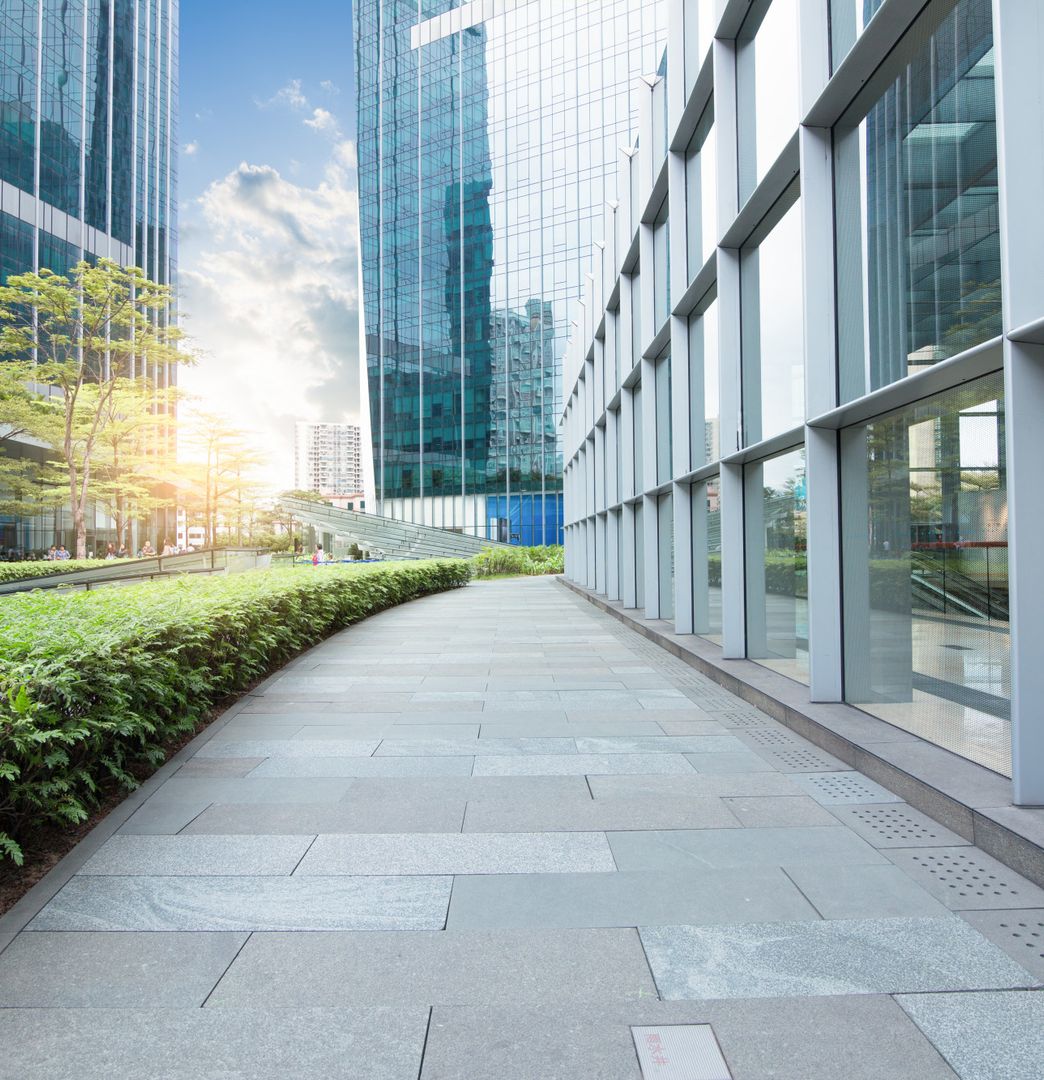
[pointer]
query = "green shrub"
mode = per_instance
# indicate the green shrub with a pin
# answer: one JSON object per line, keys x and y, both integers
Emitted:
{"x": 95, "y": 684}
{"x": 20, "y": 571}
{"x": 494, "y": 562}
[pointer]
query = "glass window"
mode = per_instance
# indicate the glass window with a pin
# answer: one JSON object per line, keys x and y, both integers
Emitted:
{"x": 704, "y": 399}
{"x": 848, "y": 19}
{"x": 773, "y": 331}
{"x": 661, "y": 269}
{"x": 777, "y": 579}
{"x": 706, "y": 559}
{"x": 636, "y": 320}
{"x": 664, "y": 424}
{"x": 924, "y": 495}
{"x": 767, "y": 88}
{"x": 665, "y": 535}
{"x": 638, "y": 448}
{"x": 917, "y": 211}
{"x": 701, "y": 194}
{"x": 639, "y": 554}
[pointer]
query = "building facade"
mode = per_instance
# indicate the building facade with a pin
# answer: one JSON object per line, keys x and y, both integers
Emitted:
{"x": 802, "y": 414}
{"x": 488, "y": 138}
{"x": 88, "y": 154}
{"x": 328, "y": 459}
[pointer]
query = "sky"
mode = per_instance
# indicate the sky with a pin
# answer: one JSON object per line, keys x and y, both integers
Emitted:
{"x": 269, "y": 216}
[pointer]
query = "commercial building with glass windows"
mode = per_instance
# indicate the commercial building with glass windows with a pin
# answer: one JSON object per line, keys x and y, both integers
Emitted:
{"x": 88, "y": 153}
{"x": 803, "y": 413}
{"x": 489, "y": 133}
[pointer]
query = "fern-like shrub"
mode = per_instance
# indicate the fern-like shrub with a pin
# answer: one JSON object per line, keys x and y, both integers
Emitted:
{"x": 94, "y": 685}
{"x": 495, "y": 562}
{"x": 23, "y": 571}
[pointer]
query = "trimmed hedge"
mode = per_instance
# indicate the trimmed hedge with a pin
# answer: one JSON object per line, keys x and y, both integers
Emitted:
{"x": 493, "y": 562}
{"x": 95, "y": 684}
{"x": 21, "y": 571}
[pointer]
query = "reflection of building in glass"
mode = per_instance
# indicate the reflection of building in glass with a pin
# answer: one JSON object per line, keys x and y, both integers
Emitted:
{"x": 832, "y": 492}
{"x": 88, "y": 162}
{"x": 488, "y": 141}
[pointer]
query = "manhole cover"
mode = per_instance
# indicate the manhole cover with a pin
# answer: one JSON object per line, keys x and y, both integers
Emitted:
{"x": 680, "y": 1052}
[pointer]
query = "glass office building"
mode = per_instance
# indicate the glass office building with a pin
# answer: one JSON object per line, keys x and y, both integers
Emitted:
{"x": 88, "y": 152}
{"x": 489, "y": 136}
{"x": 803, "y": 413}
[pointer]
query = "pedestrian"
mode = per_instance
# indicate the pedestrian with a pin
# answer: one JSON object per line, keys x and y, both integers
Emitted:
{"x": 168, "y": 548}
{"x": 147, "y": 550}
{"x": 62, "y": 553}
{"x": 52, "y": 554}
{"x": 123, "y": 553}
{"x": 110, "y": 551}
{"x": 317, "y": 555}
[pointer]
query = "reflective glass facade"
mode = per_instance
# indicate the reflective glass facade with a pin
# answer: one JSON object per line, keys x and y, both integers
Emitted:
{"x": 856, "y": 334}
{"x": 489, "y": 137}
{"x": 88, "y": 149}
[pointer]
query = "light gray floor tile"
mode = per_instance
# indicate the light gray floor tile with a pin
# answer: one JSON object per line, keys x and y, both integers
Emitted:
{"x": 582, "y": 764}
{"x": 779, "y": 810}
{"x": 571, "y": 729}
{"x": 666, "y": 744}
{"x": 192, "y": 856}
{"x": 863, "y": 892}
{"x": 432, "y": 732}
{"x": 407, "y": 747}
{"x": 354, "y": 816}
{"x": 265, "y": 748}
{"x": 829, "y": 848}
{"x": 843, "y": 788}
{"x": 967, "y": 879}
{"x": 241, "y": 903}
{"x": 1020, "y": 933}
{"x": 615, "y": 787}
{"x": 525, "y": 789}
{"x": 113, "y": 970}
{"x": 217, "y": 768}
{"x": 842, "y": 956}
{"x": 335, "y": 731}
{"x": 743, "y": 761}
{"x": 440, "y": 968}
{"x": 159, "y": 817}
{"x": 456, "y": 853}
{"x": 637, "y": 898}
{"x": 896, "y": 826}
{"x": 984, "y": 1036}
{"x": 254, "y": 728}
{"x": 705, "y": 726}
{"x": 325, "y": 766}
{"x": 216, "y": 1044}
{"x": 571, "y": 814}
{"x": 251, "y": 789}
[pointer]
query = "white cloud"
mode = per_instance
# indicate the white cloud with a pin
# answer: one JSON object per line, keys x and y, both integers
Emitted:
{"x": 271, "y": 289}
{"x": 330, "y": 88}
{"x": 191, "y": 149}
{"x": 291, "y": 95}
{"x": 324, "y": 122}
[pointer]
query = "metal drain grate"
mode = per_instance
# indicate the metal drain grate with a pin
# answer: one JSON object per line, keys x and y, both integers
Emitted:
{"x": 897, "y": 826}
{"x": 835, "y": 788}
{"x": 771, "y": 736}
{"x": 798, "y": 759}
{"x": 1019, "y": 933}
{"x": 680, "y": 1052}
{"x": 969, "y": 879}
{"x": 738, "y": 718}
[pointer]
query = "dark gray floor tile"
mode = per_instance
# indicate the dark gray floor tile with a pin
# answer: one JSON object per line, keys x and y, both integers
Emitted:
{"x": 842, "y": 956}
{"x": 326, "y": 766}
{"x": 570, "y": 729}
{"x": 354, "y": 816}
{"x": 241, "y": 903}
{"x": 863, "y": 892}
{"x": 469, "y": 967}
{"x": 407, "y": 747}
{"x": 208, "y": 1044}
{"x": 113, "y": 970}
{"x": 640, "y": 898}
{"x": 266, "y": 748}
{"x": 706, "y": 726}
{"x": 524, "y": 789}
{"x": 826, "y": 847}
{"x": 693, "y": 784}
{"x": 967, "y": 879}
{"x": 742, "y": 761}
{"x": 211, "y": 768}
{"x": 1020, "y": 933}
{"x": 767, "y": 811}
{"x": 194, "y": 856}
{"x": 159, "y": 817}
{"x": 252, "y": 789}
{"x": 984, "y": 1036}
{"x": 582, "y": 765}
{"x": 600, "y": 815}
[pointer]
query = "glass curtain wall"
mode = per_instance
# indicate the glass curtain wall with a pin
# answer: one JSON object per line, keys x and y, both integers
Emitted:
{"x": 705, "y": 507}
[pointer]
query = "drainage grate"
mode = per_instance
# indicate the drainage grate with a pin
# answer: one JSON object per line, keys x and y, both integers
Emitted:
{"x": 1019, "y": 933}
{"x": 680, "y": 1052}
{"x": 739, "y": 718}
{"x": 897, "y": 826}
{"x": 835, "y": 788}
{"x": 969, "y": 879}
{"x": 798, "y": 759}
{"x": 771, "y": 736}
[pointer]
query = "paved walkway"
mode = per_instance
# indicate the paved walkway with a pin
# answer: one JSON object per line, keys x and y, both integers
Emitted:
{"x": 486, "y": 835}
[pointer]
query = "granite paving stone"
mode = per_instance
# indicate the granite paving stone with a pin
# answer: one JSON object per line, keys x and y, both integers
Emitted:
{"x": 213, "y": 1044}
{"x": 106, "y": 970}
{"x": 456, "y": 853}
{"x": 837, "y": 956}
{"x": 782, "y": 810}
{"x": 355, "y": 816}
{"x": 157, "y": 817}
{"x": 524, "y": 789}
{"x": 863, "y": 892}
{"x": 707, "y": 726}
{"x": 743, "y": 761}
{"x": 579, "y": 814}
{"x": 252, "y": 789}
{"x": 896, "y": 826}
{"x": 570, "y": 729}
{"x": 193, "y": 856}
{"x": 407, "y": 747}
{"x": 843, "y": 788}
{"x": 967, "y": 879}
{"x": 626, "y": 898}
{"x": 265, "y": 748}
{"x": 694, "y": 784}
{"x": 666, "y": 744}
{"x": 447, "y": 967}
{"x": 243, "y": 903}
{"x": 348, "y": 767}
{"x": 826, "y": 847}
{"x": 984, "y": 1036}
{"x": 1020, "y": 933}
{"x": 581, "y": 764}
{"x": 206, "y": 768}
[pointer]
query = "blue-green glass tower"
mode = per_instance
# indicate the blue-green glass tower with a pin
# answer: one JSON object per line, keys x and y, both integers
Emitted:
{"x": 489, "y": 138}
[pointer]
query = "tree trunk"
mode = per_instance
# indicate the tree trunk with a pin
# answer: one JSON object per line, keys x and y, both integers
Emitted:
{"x": 80, "y": 520}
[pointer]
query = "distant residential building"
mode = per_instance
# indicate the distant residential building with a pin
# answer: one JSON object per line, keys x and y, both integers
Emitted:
{"x": 328, "y": 460}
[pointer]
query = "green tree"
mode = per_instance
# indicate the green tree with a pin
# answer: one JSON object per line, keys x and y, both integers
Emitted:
{"x": 87, "y": 333}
